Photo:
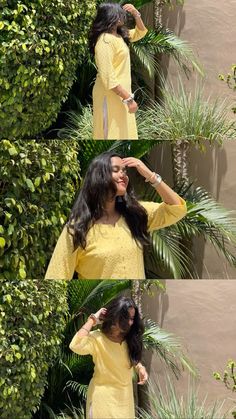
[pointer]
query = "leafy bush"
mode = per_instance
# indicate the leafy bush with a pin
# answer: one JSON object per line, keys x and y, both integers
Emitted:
{"x": 32, "y": 319}
{"x": 38, "y": 180}
{"x": 41, "y": 44}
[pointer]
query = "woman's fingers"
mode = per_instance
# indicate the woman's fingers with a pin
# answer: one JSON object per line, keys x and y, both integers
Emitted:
{"x": 102, "y": 310}
{"x": 139, "y": 165}
{"x": 129, "y": 8}
{"x": 128, "y": 161}
{"x": 143, "y": 376}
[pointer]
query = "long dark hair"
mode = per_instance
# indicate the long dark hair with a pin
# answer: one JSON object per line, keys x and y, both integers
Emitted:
{"x": 108, "y": 15}
{"x": 117, "y": 312}
{"x": 98, "y": 187}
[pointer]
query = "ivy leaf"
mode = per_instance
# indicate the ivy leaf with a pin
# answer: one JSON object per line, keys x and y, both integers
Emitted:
{"x": 2, "y": 242}
{"x": 30, "y": 184}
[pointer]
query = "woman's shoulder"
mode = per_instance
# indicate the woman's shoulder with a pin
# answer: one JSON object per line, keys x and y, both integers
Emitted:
{"x": 96, "y": 334}
{"x": 107, "y": 38}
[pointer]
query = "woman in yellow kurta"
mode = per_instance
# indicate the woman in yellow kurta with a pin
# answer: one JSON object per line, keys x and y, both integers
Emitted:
{"x": 114, "y": 106}
{"x": 108, "y": 228}
{"x": 116, "y": 350}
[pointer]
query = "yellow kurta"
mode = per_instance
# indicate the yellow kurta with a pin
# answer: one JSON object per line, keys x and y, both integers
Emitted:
{"x": 111, "y": 119}
{"x": 110, "y": 392}
{"x": 111, "y": 252}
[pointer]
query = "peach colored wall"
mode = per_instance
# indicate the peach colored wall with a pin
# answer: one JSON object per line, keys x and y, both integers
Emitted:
{"x": 202, "y": 314}
{"x": 209, "y": 26}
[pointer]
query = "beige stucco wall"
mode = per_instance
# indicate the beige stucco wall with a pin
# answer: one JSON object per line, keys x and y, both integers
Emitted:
{"x": 209, "y": 26}
{"x": 202, "y": 314}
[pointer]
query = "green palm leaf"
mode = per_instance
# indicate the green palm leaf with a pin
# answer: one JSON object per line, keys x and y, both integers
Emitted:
{"x": 140, "y": 3}
{"x": 88, "y": 296}
{"x": 91, "y": 294}
{"x": 208, "y": 219}
{"x": 90, "y": 149}
{"x": 75, "y": 387}
{"x": 162, "y": 41}
{"x": 168, "y": 255}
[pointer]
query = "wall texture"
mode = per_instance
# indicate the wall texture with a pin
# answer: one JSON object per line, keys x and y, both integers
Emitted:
{"x": 209, "y": 26}
{"x": 202, "y": 314}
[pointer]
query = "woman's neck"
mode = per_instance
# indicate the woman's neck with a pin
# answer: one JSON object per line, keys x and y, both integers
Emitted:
{"x": 110, "y": 214}
{"x": 114, "y": 31}
{"x": 110, "y": 208}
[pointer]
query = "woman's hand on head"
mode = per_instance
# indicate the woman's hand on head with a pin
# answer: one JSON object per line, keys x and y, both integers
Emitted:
{"x": 100, "y": 314}
{"x": 139, "y": 166}
{"x": 130, "y": 8}
{"x": 143, "y": 375}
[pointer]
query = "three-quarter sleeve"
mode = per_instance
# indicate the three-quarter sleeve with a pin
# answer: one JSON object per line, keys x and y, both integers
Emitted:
{"x": 162, "y": 215}
{"x": 83, "y": 345}
{"x": 63, "y": 261}
{"x": 136, "y": 34}
{"x": 104, "y": 58}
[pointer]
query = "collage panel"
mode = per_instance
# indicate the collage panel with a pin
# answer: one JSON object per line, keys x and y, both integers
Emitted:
{"x": 118, "y": 349}
{"x": 59, "y": 220}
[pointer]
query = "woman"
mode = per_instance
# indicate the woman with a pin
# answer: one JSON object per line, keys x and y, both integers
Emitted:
{"x": 113, "y": 102}
{"x": 108, "y": 228}
{"x": 116, "y": 350}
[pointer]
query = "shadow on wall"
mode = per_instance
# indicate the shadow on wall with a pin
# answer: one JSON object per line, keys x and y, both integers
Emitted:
{"x": 207, "y": 170}
{"x": 156, "y": 312}
{"x": 173, "y": 19}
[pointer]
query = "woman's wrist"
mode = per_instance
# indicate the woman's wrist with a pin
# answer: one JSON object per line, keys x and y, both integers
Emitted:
{"x": 137, "y": 14}
{"x": 88, "y": 325}
{"x": 154, "y": 179}
{"x": 128, "y": 100}
{"x": 150, "y": 177}
{"x": 94, "y": 319}
{"x": 139, "y": 366}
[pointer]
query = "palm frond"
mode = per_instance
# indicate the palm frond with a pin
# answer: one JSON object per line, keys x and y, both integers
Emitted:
{"x": 89, "y": 294}
{"x": 168, "y": 347}
{"x": 76, "y": 387}
{"x": 89, "y": 149}
{"x": 208, "y": 219}
{"x": 169, "y": 255}
{"x": 136, "y": 148}
{"x": 162, "y": 41}
{"x": 138, "y": 3}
